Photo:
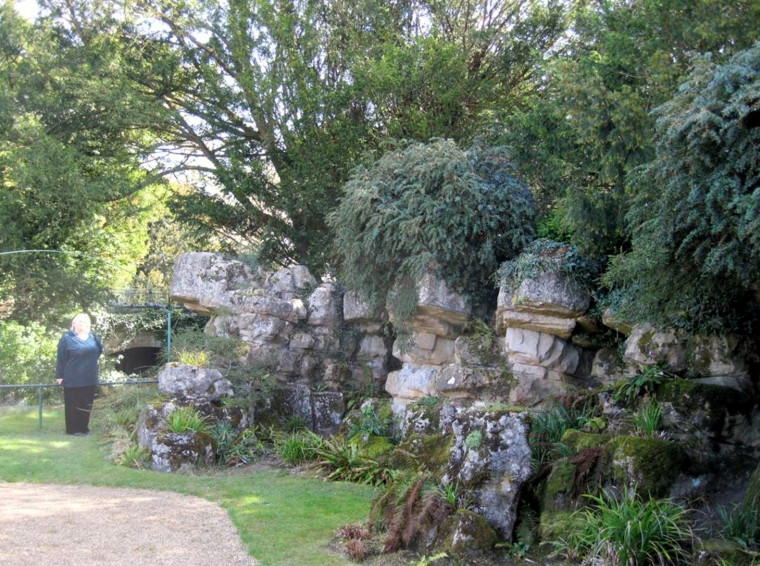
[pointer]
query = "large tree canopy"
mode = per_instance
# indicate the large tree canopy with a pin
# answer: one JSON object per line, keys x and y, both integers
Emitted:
{"x": 70, "y": 153}
{"x": 274, "y": 101}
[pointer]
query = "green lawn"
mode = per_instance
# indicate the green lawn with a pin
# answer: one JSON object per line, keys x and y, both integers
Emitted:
{"x": 283, "y": 519}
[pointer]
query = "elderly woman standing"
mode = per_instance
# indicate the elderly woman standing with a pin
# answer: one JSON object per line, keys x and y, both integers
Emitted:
{"x": 77, "y": 370}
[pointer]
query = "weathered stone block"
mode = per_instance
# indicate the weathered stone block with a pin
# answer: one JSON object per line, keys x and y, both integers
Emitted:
{"x": 193, "y": 382}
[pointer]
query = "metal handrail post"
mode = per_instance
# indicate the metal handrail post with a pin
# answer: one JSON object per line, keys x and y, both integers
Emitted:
{"x": 169, "y": 334}
{"x": 39, "y": 400}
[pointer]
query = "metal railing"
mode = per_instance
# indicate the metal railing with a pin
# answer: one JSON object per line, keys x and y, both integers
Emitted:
{"x": 41, "y": 386}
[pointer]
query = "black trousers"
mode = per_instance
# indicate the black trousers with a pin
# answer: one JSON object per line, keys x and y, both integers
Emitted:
{"x": 78, "y": 403}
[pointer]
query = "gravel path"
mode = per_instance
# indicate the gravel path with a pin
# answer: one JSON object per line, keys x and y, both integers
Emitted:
{"x": 52, "y": 525}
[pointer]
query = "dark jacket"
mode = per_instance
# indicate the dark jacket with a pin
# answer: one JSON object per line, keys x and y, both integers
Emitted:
{"x": 77, "y": 362}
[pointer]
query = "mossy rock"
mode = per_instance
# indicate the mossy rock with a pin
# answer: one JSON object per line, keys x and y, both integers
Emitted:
{"x": 577, "y": 440}
{"x": 374, "y": 446}
{"x": 721, "y": 551}
{"x": 558, "y": 524}
{"x": 424, "y": 415}
{"x": 651, "y": 464}
{"x": 557, "y": 490}
{"x": 710, "y": 402}
{"x": 429, "y": 452}
{"x": 466, "y": 533}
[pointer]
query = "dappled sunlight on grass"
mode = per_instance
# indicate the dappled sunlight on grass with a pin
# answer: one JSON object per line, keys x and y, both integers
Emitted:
{"x": 283, "y": 519}
{"x": 31, "y": 446}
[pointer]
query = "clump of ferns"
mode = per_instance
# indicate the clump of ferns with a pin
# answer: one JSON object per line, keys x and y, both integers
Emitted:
{"x": 413, "y": 502}
{"x": 589, "y": 472}
{"x": 549, "y": 426}
{"x": 357, "y": 540}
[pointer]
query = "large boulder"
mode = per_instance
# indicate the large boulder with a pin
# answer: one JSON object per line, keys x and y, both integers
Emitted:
{"x": 716, "y": 359}
{"x": 192, "y": 382}
{"x": 436, "y": 300}
{"x": 544, "y": 366}
{"x": 491, "y": 457}
{"x": 205, "y": 281}
{"x": 178, "y": 452}
{"x": 549, "y": 302}
{"x": 426, "y": 348}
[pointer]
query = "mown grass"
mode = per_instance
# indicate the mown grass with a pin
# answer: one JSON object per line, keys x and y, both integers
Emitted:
{"x": 283, "y": 519}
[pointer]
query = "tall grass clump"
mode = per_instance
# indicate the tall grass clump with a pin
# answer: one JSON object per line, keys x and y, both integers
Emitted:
{"x": 626, "y": 530}
{"x": 742, "y": 523}
{"x": 648, "y": 418}
{"x": 298, "y": 447}
{"x": 186, "y": 419}
{"x": 235, "y": 448}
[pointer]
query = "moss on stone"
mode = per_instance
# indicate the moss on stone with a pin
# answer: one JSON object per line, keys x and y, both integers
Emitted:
{"x": 421, "y": 451}
{"x": 558, "y": 524}
{"x": 374, "y": 446}
{"x": 559, "y": 485}
{"x": 651, "y": 464}
{"x": 689, "y": 397}
{"x": 384, "y": 410}
{"x": 466, "y": 532}
{"x": 426, "y": 410}
{"x": 577, "y": 440}
{"x": 722, "y": 551}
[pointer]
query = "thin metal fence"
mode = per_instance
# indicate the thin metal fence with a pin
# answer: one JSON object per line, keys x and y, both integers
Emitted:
{"x": 41, "y": 386}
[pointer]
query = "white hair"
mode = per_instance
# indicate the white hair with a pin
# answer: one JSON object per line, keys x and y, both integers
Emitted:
{"x": 81, "y": 317}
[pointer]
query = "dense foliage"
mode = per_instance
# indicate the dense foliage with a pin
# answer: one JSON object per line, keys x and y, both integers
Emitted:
{"x": 696, "y": 214}
{"x": 590, "y": 124}
{"x": 430, "y": 207}
{"x": 71, "y": 145}
{"x": 265, "y": 107}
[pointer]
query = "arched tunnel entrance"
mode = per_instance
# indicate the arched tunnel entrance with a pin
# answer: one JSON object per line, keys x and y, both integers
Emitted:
{"x": 137, "y": 360}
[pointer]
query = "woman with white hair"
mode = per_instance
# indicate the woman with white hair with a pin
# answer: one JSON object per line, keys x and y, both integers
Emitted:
{"x": 77, "y": 370}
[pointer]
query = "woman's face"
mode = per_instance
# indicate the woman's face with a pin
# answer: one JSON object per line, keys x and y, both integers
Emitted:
{"x": 81, "y": 326}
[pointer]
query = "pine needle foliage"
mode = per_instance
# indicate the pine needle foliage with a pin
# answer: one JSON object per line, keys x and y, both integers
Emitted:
{"x": 425, "y": 206}
{"x": 696, "y": 214}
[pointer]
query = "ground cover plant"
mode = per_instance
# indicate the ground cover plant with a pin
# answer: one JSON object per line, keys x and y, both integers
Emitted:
{"x": 283, "y": 519}
{"x": 628, "y": 530}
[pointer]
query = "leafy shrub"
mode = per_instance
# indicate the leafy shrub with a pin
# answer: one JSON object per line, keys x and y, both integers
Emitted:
{"x": 695, "y": 253}
{"x": 186, "y": 419}
{"x": 27, "y": 355}
{"x": 626, "y": 530}
{"x": 429, "y": 206}
{"x": 644, "y": 382}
